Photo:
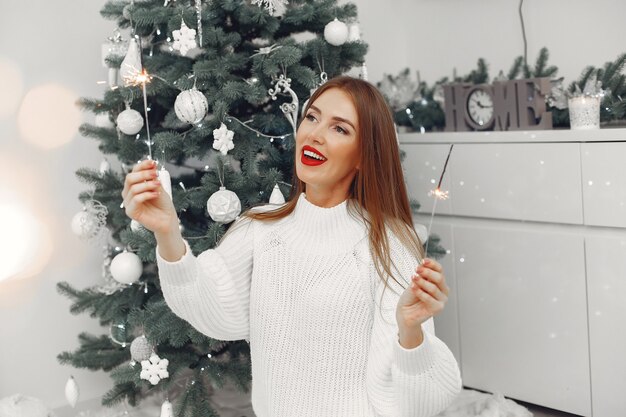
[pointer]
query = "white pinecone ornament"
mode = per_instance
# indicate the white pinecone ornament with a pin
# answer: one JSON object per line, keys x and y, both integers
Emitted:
{"x": 131, "y": 65}
{"x": 277, "y": 196}
{"x": 166, "y": 409}
{"x": 71, "y": 391}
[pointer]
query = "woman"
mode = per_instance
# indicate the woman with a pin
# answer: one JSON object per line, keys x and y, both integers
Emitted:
{"x": 316, "y": 285}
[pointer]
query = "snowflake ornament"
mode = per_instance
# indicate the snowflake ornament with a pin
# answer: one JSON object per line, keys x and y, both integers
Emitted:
{"x": 184, "y": 39}
{"x": 154, "y": 369}
{"x": 223, "y": 139}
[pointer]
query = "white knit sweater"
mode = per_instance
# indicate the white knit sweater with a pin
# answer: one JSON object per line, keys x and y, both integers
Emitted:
{"x": 303, "y": 290}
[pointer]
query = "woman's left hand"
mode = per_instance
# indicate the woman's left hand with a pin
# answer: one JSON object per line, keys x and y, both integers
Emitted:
{"x": 425, "y": 298}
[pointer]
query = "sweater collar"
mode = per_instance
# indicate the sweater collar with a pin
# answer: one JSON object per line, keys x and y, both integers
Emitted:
{"x": 338, "y": 227}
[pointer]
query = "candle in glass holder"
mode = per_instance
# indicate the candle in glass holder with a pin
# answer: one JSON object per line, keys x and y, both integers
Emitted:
{"x": 584, "y": 112}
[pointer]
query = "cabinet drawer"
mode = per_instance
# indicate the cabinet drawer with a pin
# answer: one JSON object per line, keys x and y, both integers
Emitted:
{"x": 522, "y": 314}
{"x": 537, "y": 182}
{"x": 534, "y": 182}
{"x": 604, "y": 183}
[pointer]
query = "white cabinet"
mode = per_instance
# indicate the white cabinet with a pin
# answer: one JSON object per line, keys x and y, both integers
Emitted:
{"x": 536, "y": 231}
{"x": 606, "y": 280}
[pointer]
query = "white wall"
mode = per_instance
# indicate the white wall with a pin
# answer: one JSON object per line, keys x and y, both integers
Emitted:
{"x": 49, "y": 42}
{"x": 60, "y": 42}
{"x": 435, "y": 36}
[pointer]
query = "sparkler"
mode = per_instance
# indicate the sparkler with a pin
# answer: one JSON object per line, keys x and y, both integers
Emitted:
{"x": 439, "y": 195}
{"x": 135, "y": 74}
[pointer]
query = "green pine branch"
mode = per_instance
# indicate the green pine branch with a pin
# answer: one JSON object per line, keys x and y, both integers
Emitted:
{"x": 95, "y": 353}
{"x": 106, "y": 307}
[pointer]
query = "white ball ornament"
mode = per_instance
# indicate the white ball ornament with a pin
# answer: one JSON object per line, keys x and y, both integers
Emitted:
{"x": 71, "y": 391}
{"x": 140, "y": 349}
{"x": 191, "y": 106}
{"x": 223, "y": 206}
{"x": 126, "y": 268}
{"x": 130, "y": 121}
{"x": 336, "y": 32}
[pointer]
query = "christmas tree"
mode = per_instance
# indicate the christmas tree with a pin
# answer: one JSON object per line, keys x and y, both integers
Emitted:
{"x": 212, "y": 91}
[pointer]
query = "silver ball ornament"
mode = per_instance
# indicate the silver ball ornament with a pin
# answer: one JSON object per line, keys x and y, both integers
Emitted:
{"x": 336, "y": 32}
{"x": 223, "y": 206}
{"x": 126, "y": 268}
{"x": 191, "y": 106}
{"x": 140, "y": 349}
{"x": 130, "y": 121}
{"x": 84, "y": 223}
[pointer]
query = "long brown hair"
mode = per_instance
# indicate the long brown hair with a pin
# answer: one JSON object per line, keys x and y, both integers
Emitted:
{"x": 378, "y": 187}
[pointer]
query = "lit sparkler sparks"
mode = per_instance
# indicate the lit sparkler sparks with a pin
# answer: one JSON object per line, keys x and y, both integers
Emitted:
{"x": 439, "y": 194}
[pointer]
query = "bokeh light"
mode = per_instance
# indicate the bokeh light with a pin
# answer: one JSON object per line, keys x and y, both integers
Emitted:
{"x": 26, "y": 221}
{"x": 48, "y": 117}
{"x": 11, "y": 86}
{"x": 25, "y": 243}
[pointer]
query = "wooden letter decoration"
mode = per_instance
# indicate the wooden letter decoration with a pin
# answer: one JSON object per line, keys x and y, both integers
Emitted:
{"x": 455, "y": 97}
{"x": 518, "y": 105}
{"x": 505, "y": 103}
{"x": 532, "y": 104}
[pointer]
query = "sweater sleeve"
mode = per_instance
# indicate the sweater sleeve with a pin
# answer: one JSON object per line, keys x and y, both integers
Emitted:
{"x": 211, "y": 291}
{"x": 418, "y": 382}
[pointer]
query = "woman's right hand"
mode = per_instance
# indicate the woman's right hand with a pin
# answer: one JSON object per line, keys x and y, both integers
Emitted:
{"x": 146, "y": 201}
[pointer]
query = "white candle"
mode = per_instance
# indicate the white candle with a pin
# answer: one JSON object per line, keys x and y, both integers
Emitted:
{"x": 166, "y": 181}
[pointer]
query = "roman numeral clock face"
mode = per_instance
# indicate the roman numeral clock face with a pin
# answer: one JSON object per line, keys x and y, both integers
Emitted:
{"x": 480, "y": 107}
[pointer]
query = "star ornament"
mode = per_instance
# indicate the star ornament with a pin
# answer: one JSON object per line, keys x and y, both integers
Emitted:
{"x": 223, "y": 139}
{"x": 184, "y": 39}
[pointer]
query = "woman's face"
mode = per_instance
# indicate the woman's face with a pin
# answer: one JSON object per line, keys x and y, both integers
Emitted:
{"x": 329, "y": 131}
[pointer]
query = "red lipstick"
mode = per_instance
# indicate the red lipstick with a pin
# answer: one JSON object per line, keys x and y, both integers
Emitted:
{"x": 312, "y": 160}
